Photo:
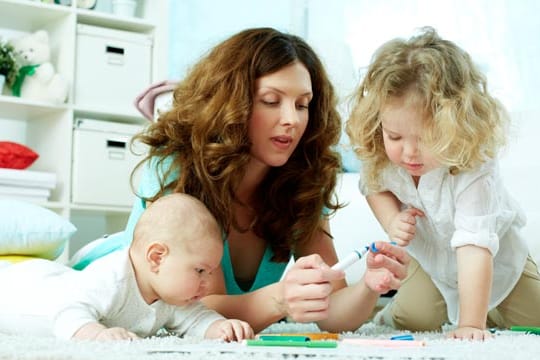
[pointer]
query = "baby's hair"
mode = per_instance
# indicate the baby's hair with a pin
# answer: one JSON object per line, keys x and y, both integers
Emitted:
{"x": 170, "y": 218}
{"x": 464, "y": 125}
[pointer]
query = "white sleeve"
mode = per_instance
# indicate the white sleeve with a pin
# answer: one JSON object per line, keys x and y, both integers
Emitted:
{"x": 193, "y": 320}
{"x": 479, "y": 214}
{"x": 89, "y": 298}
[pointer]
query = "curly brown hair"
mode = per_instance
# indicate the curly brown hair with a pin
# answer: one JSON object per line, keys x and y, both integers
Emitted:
{"x": 464, "y": 125}
{"x": 206, "y": 135}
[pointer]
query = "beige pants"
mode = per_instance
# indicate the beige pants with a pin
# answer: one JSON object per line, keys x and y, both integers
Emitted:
{"x": 419, "y": 306}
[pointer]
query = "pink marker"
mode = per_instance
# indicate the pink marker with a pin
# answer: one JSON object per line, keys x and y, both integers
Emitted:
{"x": 383, "y": 342}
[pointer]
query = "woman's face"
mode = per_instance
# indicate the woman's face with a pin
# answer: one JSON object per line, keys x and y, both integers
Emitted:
{"x": 280, "y": 114}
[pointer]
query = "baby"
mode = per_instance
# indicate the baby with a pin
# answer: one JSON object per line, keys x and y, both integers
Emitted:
{"x": 131, "y": 293}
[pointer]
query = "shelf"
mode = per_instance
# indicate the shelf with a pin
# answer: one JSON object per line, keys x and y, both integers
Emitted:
{"x": 36, "y": 14}
{"x": 22, "y": 109}
{"x": 96, "y": 18}
{"x": 101, "y": 209}
{"x": 82, "y": 112}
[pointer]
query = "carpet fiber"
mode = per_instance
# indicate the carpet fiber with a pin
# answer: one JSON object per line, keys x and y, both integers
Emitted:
{"x": 505, "y": 345}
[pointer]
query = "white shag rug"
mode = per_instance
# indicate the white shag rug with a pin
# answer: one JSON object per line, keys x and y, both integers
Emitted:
{"x": 505, "y": 345}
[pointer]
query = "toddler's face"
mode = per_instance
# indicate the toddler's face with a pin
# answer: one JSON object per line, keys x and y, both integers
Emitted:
{"x": 402, "y": 126}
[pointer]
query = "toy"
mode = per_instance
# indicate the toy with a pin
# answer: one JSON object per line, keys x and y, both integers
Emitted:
{"x": 37, "y": 79}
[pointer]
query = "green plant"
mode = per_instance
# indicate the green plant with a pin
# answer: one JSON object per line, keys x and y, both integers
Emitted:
{"x": 8, "y": 65}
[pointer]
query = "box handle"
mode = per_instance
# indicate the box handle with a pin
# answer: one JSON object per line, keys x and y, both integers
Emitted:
{"x": 116, "y": 144}
{"x": 117, "y": 149}
{"x": 115, "y": 55}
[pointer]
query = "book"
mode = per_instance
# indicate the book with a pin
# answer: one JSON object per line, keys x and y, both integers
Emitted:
{"x": 27, "y": 178}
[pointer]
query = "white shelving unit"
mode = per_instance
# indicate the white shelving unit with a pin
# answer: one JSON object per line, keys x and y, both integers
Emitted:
{"x": 47, "y": 128}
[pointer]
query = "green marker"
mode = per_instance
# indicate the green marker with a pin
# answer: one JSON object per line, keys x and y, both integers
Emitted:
{"x": 526, "y": 329}
{"x": 296, "y": 343}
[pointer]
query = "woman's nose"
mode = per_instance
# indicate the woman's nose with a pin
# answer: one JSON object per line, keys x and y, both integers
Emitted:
{"x": 289, "y": 114}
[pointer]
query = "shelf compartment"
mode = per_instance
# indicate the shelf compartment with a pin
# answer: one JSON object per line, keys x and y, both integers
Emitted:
{"x": 36, "y": 14}
{"x": 22, "y": 109}
{"x": 112, "y": 21}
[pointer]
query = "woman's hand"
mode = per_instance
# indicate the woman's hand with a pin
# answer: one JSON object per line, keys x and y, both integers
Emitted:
{"x": 386, "y": 268}
{"x": 307, "y": 287}
{"x": 402, "y": 228}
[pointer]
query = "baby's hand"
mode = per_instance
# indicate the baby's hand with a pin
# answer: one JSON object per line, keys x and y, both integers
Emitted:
{"x": 403, "y": 227}
{"x": 229, "y": 330}
{"x": 97, "y": 331}
{"x": 469, "y": 333}
{"x": 115, "y": 333}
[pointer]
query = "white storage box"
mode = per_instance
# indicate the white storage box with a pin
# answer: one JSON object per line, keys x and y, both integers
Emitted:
{"x": 112, "y": 68}
{"x": 103, "y": 162}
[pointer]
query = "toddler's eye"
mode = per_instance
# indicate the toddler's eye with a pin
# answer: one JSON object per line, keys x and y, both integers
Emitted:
{"x": 199, "y": 270}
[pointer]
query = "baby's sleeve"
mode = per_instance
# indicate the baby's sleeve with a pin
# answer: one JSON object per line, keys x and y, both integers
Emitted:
{"x": 193, "y": 320}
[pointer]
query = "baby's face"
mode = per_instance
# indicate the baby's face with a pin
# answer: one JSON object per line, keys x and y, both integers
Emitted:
{"x": 184, "y": 274}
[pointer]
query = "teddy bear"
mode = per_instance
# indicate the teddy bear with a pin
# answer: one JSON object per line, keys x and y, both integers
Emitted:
{"x": 37, "y": 79}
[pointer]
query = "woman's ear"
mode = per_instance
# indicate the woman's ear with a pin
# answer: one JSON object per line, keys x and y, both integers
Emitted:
{"x": 155, "y": 253}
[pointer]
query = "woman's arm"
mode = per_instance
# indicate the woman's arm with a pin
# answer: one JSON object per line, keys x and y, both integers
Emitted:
{"x": 348, "y": 307}
{"x": 312, "y": 291}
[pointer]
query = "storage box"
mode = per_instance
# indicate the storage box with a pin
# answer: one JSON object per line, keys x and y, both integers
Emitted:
{"x": 103, "y": 163}
{"x": 112, "y": 68}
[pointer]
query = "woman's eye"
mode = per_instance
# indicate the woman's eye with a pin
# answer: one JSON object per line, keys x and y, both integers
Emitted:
{"x": 269, "y": 102}
{"x": 303, "y": 106}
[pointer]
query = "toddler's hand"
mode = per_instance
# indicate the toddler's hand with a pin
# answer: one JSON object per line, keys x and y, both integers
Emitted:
{"x": 403, "y": 227}
{"x": 386, "y": 268}
{"x": 229, "y": 330}
{"x": 469, "y": 333}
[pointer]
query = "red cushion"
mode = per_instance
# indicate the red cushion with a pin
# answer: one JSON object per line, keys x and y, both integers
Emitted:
{"x": 16, "y": 156}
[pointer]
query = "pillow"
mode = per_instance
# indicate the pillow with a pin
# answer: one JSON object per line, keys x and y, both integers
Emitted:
{"x": 16, "y": 258}
{"x": 28, "y": 229}
{"x": 16, "y": 156}
{"x": 96, "y": 249}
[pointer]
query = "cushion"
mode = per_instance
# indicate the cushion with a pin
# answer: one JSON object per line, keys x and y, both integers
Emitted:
{"x": 16, "y": 258}
{"x": 16, "y": 156}
{"x": 96, "y": 249}
{"x": 28, "y": 229}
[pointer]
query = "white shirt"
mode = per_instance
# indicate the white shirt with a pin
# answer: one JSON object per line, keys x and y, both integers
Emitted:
{"x": 472, "y": 207}
{"x": 48, "y": 298}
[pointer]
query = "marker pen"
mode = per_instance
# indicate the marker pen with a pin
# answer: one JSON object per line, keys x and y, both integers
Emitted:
{"x": 351, "y": 259}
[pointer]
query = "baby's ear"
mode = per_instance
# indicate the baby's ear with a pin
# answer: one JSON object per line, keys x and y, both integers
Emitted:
{"x": 155, "y": 253}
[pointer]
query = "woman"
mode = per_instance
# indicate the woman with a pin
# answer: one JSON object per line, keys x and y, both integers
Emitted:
{"x": 250, "y": 134}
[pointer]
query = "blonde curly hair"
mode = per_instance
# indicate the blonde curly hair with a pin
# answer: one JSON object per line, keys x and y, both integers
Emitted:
{"x": 206, "y": 135}
{"x": 464, "y": 124}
